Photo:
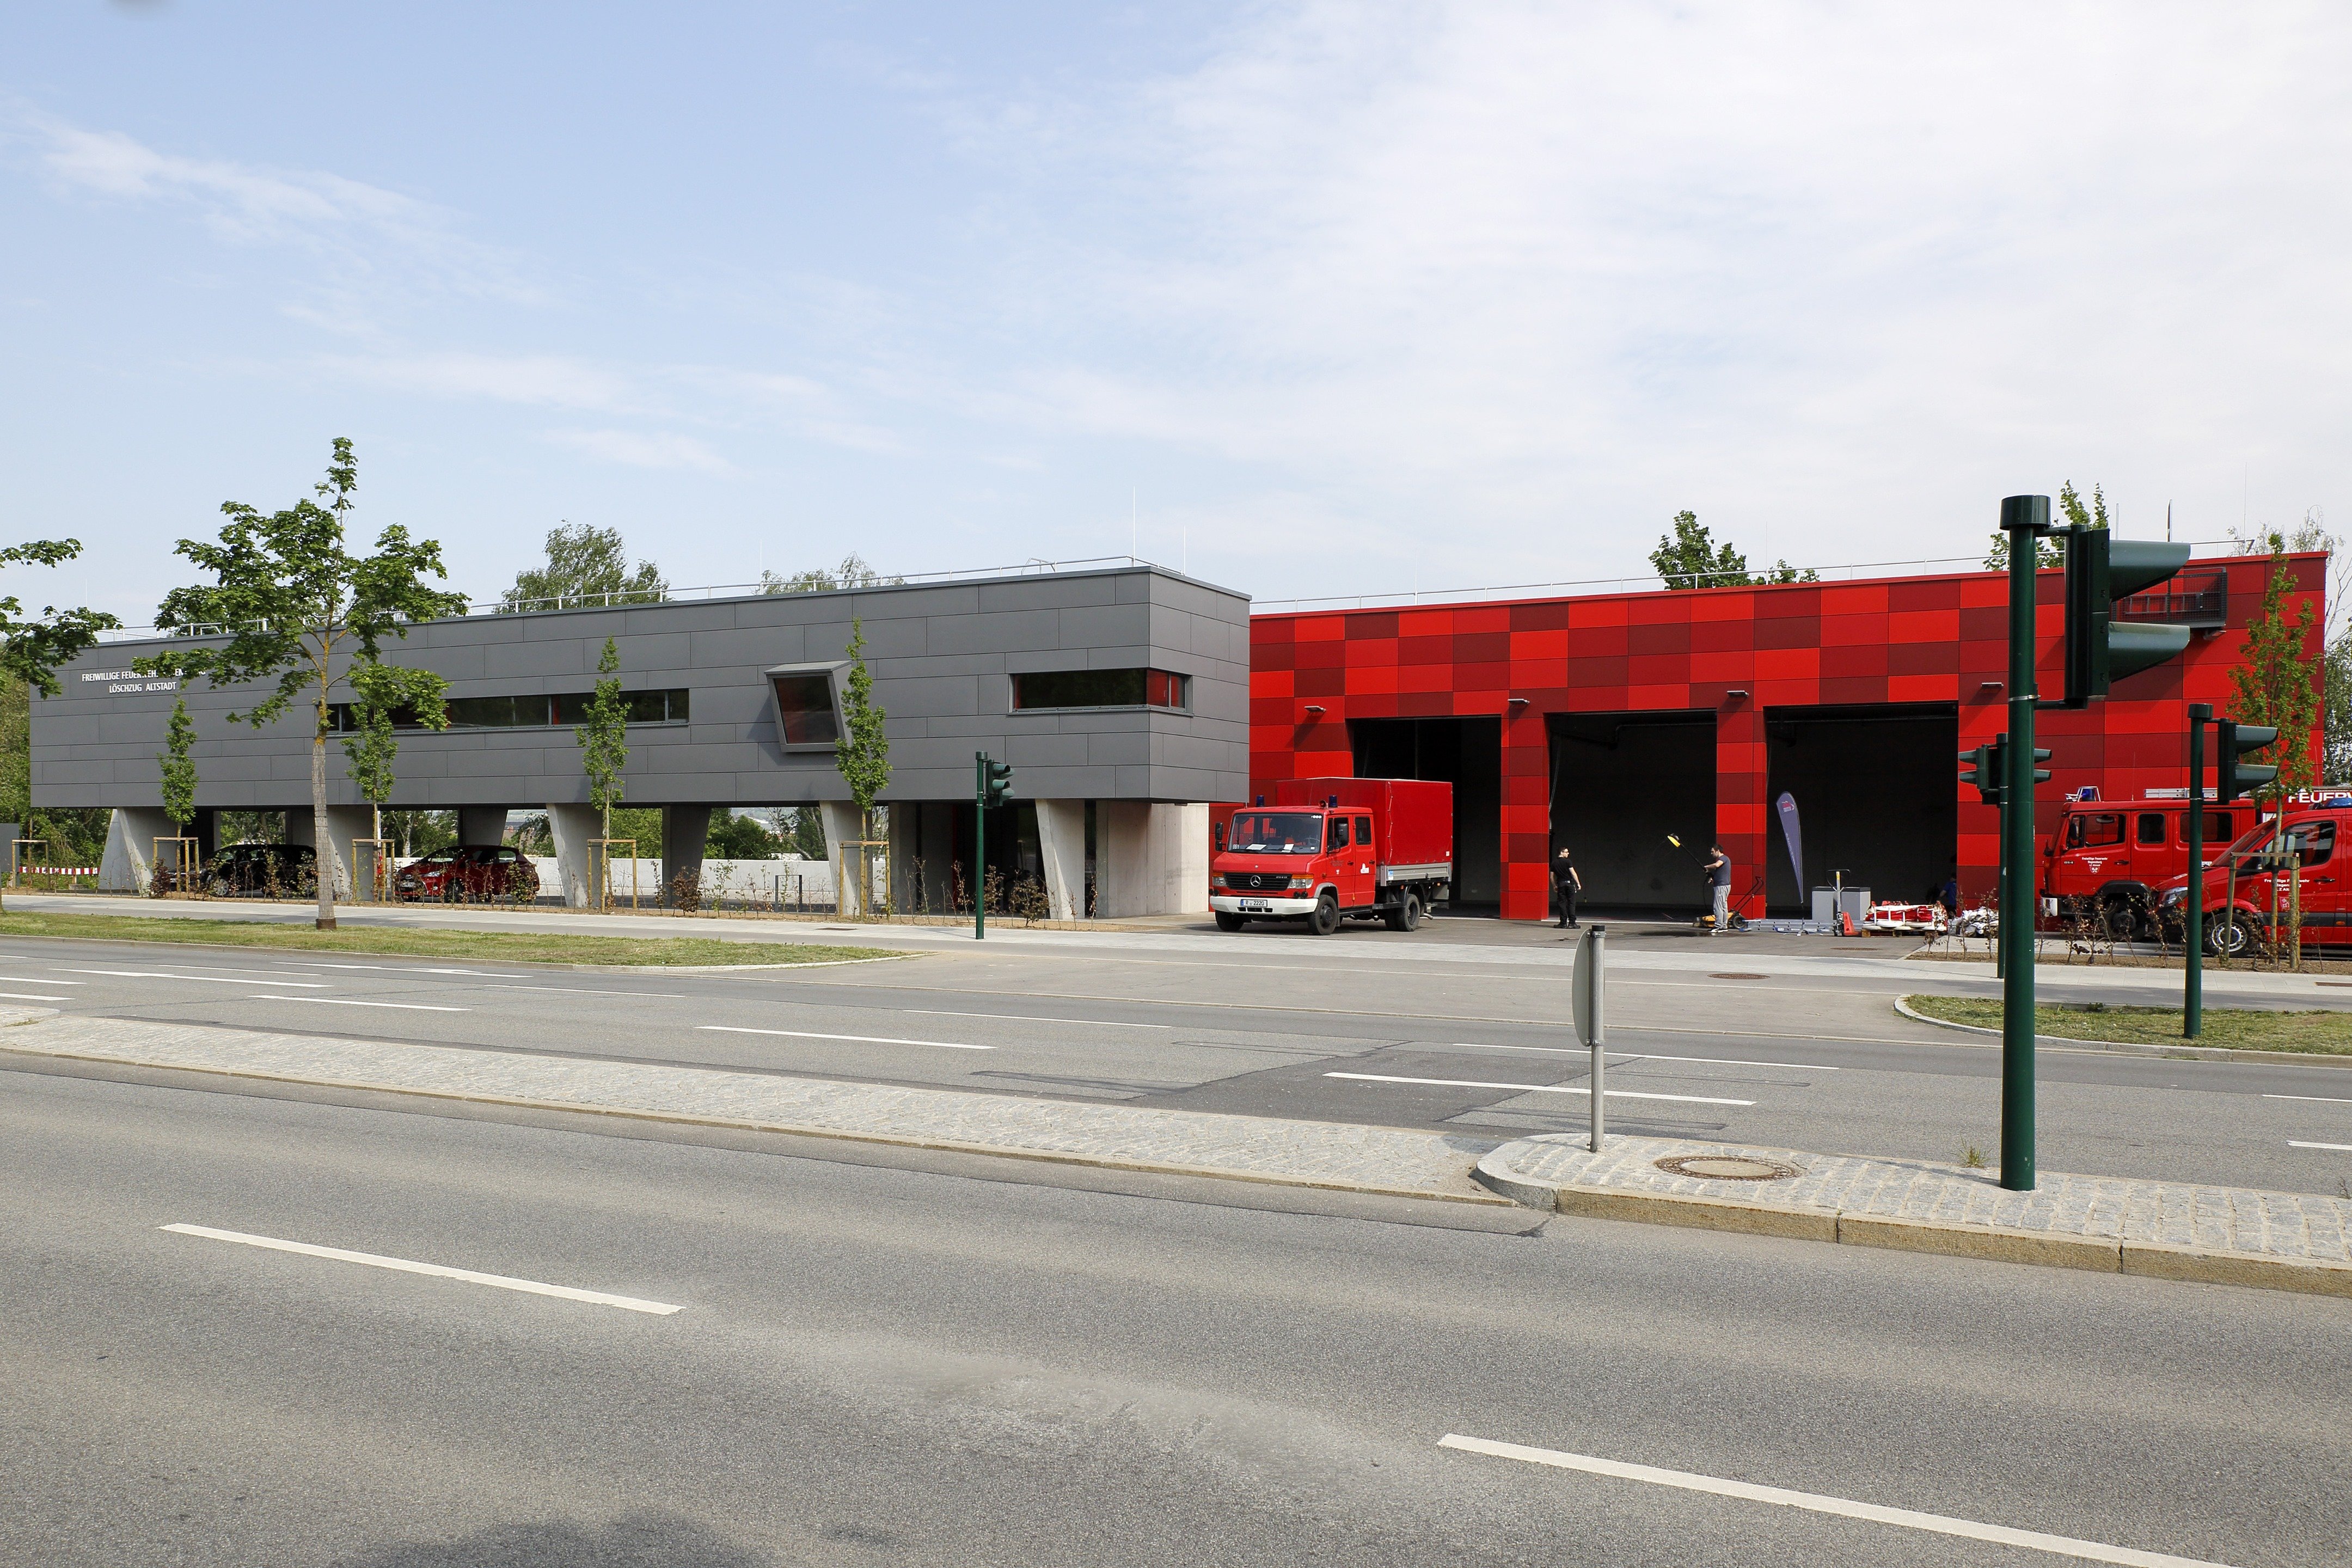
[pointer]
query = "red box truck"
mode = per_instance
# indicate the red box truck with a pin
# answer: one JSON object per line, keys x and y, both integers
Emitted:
{"x": 1324, "y": 851}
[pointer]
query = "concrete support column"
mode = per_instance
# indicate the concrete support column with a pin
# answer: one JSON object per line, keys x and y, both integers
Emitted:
{"x": 481, "y": 824}
{"x": 684, "y": 830}
{"x": 572, "y": 826}
{"x": 128, "y": 865}
{"x": 345, "y": 823}
{"x": 1062, "y": 843}
{"x": 842, "y": 826}
{"x": 1151, "y": 858}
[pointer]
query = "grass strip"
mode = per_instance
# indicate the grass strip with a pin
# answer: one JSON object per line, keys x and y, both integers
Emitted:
{"x": 516, "y": 947}
{"x": 2245, "y": 1029}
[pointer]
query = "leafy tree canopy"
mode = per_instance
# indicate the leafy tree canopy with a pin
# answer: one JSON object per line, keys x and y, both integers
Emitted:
{"x": 853, "y": 572}
{"x": 2275, "y": 685}
{"x": 737, "y": 838}
{"x": 1689, "y": 558}
{"x": 585, "y": 566}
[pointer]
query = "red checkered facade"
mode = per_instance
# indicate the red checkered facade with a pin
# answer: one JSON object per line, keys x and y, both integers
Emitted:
{"x": 1907, "y": 639}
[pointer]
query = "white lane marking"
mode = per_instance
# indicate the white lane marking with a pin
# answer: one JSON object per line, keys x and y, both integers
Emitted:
{"x": 344, "y": 1002}
{"x": 420, "y": 969}
{"x": 1937, "y": 1523}
{"x": 439, "y": 1271}
{"x": 1025, "y": 1018}
{"x": 29, "y": 980}
{"x": 209, "y": 979}
{"x": 232, "y": 968}
{"x": 2321, "y": 1099}
{"x": 583, "y": 991}
{"x": 1641, "y": 1057}
{"x": 861, "y": 1039}
{"x": 2339, "y": 1148}
{"x": 1537, "y": 1088}
{"x": 29, "y": 997}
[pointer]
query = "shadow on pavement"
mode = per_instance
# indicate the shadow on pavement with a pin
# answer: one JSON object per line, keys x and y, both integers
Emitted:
{"x": 634, "y": 1541}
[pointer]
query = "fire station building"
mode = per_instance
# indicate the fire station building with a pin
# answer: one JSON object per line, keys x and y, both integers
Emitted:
{"x": 1605, "y": 723}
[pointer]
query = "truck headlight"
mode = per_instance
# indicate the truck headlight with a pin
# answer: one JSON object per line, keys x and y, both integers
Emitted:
{"x": 1302, "y": 881}
{"x": 2177, "y": 896}
{"x": 1217, "y": 879}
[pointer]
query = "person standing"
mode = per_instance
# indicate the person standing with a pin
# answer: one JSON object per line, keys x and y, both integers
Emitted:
{"x": 1565, "y": 884}
{"x": 1718, "y": 876}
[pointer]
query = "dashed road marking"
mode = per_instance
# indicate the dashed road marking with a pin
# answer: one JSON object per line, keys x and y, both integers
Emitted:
{"x": 437, "y": 1271}
{"x": 1537, "y": 1088}
{"x": 209, "y": 979}
{"x": 1813, "y": 1502}
{"x": 345, "y": 1001}
{"x": 860, "y": 1040}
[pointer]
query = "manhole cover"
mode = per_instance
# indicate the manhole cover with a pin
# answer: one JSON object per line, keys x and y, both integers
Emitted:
{"x": 1727, "y": 1168}
{"x": 1739, "y": 977}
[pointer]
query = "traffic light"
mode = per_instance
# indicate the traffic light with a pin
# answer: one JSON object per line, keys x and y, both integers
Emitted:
{"x": 2100, "y": 570}
{"x": 997, "y": 781}
{"x": 2235, "y": 779}
{"x": 1988, "y": 769}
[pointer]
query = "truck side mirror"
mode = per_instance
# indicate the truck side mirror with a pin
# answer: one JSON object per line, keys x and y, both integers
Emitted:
{"x": 1217, "y": 835}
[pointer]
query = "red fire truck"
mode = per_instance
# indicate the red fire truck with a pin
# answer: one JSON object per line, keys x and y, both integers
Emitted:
{"x": 1326, "y": 850}
{"x": 2104, "y": 858}
{"x": 2276, "y": 872}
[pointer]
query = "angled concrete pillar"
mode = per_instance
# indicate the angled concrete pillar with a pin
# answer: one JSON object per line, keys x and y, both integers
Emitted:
{"x": 684, "y": 829}
{"x": 1062, "y": 844}
{"x": 572, "y": 826}
{"x": 128, "y": 865}
{"x": 481, "y": 824}
{"x": 345, "y": 823}
{"x": 1151, "y": 858}
{"x": 842, "y": 826}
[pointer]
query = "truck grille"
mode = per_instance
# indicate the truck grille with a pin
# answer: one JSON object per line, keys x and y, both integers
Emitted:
{"x": 1257, "y": 881}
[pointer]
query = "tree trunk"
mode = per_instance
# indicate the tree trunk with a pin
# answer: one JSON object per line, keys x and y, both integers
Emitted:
{"x": 323, "y": 841}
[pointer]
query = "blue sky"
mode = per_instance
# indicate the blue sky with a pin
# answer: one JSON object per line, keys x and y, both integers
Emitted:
{"x": 1319, "y": 298}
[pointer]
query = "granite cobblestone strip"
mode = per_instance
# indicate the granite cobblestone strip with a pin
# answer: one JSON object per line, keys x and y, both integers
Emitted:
{"x": 2304, "y": 1227}
{"x": 1310, "y": 1153}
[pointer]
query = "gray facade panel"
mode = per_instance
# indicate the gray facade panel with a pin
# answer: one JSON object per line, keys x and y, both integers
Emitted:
{"x": 938, "y": 655}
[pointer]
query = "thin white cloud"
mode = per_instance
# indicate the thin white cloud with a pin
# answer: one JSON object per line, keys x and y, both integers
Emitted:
{"x": 364, "y": 227}
{"x": 640, "y": 450}
{"x": 553, "y": 381}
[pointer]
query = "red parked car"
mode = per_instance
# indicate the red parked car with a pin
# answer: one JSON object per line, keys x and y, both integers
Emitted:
{"x": 470, "y": 874}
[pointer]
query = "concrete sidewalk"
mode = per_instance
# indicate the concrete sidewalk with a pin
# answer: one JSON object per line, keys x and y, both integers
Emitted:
{"x": 2232, "y": 1235}
{"x": 1382, "y": 1160}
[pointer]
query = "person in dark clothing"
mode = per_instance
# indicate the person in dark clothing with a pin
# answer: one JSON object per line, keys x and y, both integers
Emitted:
{"x": 1565, "y": 884}
{"x": 1718, "y": 876}
{"x": 1950, "y": 897}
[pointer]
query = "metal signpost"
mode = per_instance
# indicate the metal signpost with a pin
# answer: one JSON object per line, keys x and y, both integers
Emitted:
{"x": 2192, "y": 907}
{"x": 2025, "y": 519}
{"x": 1585, "y": 1006}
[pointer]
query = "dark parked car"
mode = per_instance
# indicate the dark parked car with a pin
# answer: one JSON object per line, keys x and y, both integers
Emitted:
{"x": 467, "y": 874}
{"x": 289, "y": 869}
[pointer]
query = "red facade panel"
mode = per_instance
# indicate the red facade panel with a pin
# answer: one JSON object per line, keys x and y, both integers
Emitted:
{"x": 1925, "y": 639}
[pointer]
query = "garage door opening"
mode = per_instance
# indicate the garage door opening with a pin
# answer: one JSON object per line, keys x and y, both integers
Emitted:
{"x": 1466, "y": 753}
{"x": 1878, "y": 795}
{"x": 1620, "y": 784}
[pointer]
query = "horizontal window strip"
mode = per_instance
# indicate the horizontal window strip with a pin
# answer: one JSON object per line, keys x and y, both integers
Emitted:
{"x": 534, "y": 711}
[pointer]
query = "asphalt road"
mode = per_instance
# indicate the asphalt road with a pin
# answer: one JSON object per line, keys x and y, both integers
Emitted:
{"x": 1801, "y": 1052}
{"x": 894, "y": 1358}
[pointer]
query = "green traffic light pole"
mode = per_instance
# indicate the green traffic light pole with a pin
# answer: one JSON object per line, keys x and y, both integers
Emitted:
{"x": 2192, "y": 986}
{"x": 980, "y": 847}
{"x": 2026, "y": 521}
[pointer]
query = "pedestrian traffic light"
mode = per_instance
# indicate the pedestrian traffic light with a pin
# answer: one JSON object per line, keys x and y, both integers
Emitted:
{"x": 2101, "y": 570}
{"x": 996, "y": 782}
{"x": 2235, "y": 780}
{"x": 1988, "y": 769}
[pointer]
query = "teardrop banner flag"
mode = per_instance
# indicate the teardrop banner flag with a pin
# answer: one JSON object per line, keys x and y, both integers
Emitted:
{"x": 1795, "y": 834}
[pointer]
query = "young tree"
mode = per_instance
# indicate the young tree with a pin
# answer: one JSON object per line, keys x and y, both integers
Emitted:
{"x": 2336, "y": 631}
{"x": 605, "y": 737}
{"x": 585, "y": 566}
{"x": 290, "y": 602}
{"x": 179, "y": 767}
{"x": 862, "y": 751}
{"x": 30, "y": 651}
{"x": 379, "y": 691}
{"x": 2274, "y": 683}
{"x": 1689, "y": 558}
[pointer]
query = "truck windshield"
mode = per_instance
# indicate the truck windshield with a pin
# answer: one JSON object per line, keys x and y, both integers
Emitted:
{"x": 1276, "y": 833}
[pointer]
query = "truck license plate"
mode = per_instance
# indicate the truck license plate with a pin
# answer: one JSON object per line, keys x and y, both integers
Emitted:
{"x": 1255, "y": 907}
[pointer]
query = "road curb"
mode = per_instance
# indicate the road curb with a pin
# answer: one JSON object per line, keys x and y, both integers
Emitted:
{"x": 2128, "y": 1047}
{"x": 944, "y": 1145}
{"x": 1993, "y": 1244}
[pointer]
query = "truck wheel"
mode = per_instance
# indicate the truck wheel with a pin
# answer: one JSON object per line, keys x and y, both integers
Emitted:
{"x": 1326, "y": 917}
{"x": 2228, "y": 938}
{"x": 2119, "y": 919}
{"x": 1230, "y": 923}
{"x": 1406, "y": 916}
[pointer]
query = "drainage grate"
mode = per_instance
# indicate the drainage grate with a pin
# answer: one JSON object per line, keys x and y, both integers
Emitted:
{"x": 1727, "y": 1168}
{"x": 1739, "y": 977}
